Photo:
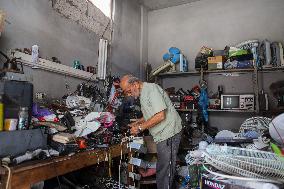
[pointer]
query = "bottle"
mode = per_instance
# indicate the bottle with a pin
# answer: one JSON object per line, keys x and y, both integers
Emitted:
{"x": 23, "y": 118}
{"x": 1, "y": 113}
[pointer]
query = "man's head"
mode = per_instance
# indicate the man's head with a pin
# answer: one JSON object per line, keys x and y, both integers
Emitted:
{"x": 130, "y": 85}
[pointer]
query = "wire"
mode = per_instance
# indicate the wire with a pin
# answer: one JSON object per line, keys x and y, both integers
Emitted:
{"x": 53, "y": 162}
{"x": 9, "y": 175}
{"x": 84, "y": 83}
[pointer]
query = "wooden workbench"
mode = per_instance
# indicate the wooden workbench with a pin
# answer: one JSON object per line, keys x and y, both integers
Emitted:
{"x": 25, "y": 174}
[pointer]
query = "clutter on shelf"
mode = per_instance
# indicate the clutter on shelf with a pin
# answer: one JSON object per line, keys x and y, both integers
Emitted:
{"x": 171, "y": 59}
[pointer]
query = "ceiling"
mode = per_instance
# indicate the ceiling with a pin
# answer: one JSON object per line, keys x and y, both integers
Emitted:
{"x": 160, "y": 4}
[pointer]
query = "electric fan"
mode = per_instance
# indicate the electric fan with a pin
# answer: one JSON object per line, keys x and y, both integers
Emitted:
{"x": 246, "y": 162}
{"x": 258, "y": 124}
{"x": 276, "y": 129}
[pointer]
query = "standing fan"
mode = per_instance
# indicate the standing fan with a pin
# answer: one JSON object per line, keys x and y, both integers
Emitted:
{"x": 246, "y": 162}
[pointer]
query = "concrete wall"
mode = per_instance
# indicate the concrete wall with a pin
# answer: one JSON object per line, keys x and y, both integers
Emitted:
{"x": 36, "y": 22}
{"x": 126, "y": 38}
{"x": 215, "y": 24}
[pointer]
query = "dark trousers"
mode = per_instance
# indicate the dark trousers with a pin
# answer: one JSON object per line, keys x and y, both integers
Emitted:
{"x": 166, "y": 165}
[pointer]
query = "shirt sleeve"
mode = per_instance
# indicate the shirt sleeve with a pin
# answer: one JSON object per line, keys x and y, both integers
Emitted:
{"x": 156, "y": 100}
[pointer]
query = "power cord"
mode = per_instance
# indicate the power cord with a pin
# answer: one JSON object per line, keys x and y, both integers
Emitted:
{"x": 4, "y": 163}
{"x": 52, "y": 159}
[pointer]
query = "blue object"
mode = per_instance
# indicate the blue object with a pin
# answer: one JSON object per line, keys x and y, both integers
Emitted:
{"x": 174, "y": 50}
{"x": 203, "y": 104}
{"x": 245, "y": 64}
{"x": 185, "y": 181}
{"x": 251, "y": 134}
{"x": 185, "y": 65}
{"x": 167, "y": 57}
{"x": 175, "y": 59}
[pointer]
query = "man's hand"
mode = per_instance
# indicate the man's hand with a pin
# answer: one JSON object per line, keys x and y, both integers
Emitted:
{"x": 134, "y": 130}
{"x": 133, "y": 124}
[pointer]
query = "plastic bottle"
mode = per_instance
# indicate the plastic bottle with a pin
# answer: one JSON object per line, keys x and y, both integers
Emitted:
{"x": 23, "y": 118}
{"x": 1, "y": 113}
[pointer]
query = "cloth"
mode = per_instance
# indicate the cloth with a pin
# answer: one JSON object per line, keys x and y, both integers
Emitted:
{"x": 154, "y": 99}
{"x": 166, "y": 165}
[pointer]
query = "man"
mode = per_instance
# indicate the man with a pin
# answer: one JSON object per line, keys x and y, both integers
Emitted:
{"x": 163, "y": 122}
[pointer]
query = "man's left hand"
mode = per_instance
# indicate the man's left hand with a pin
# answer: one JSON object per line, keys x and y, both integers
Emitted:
{"x": 134, "y": 130}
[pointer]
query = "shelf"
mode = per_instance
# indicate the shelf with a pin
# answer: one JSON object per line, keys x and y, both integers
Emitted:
{"x": 272, "y": 69}
{"x": 50, "y": 66}
{"x": 206, "y": 72}
{"x": 250, "y": 70}
{"x": 213, "y": 110}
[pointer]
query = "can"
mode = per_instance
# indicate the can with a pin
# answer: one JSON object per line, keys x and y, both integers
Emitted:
{"x": 10, "y": 124}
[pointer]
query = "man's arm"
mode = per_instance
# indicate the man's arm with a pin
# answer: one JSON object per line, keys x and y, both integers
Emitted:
{"x": 156, "y": 119}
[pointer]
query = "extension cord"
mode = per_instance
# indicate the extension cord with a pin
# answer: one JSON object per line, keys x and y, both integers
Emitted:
{"x": 5, "y": 162}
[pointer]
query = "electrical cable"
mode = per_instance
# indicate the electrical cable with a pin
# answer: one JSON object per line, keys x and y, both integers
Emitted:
{"x": 9, "y": 175}
{"x": 84, "y": 83}
{"x": 53, "y": 162}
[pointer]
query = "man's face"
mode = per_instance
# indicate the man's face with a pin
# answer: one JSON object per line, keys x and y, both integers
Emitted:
{"x": 131, "y": 90}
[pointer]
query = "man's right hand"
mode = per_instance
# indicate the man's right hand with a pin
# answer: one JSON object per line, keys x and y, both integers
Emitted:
{"x": 139, "y": 121}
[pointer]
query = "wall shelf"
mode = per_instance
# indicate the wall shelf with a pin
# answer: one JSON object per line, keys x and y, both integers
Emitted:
{"x": 214, "y": 110}
{"x": 50, "y": 66}
{"x": 250, "y": 70}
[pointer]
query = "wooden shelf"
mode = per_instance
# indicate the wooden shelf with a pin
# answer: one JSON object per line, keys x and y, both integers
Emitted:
{"x": 214, "y": 110}
{"x": 54, "y": 67}
{"x": 250, "y": 70}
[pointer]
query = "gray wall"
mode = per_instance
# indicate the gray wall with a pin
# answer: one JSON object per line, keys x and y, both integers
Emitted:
{"x": 215, "y": 24}
{"x": 126, "y": 38}
{"x": 36, "y": 22}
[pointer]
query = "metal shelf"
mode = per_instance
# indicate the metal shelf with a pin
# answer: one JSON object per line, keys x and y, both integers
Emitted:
{"x": 214, "y": 110}
{"x": 205, "y": 72}
{"x": 250, "y": 70}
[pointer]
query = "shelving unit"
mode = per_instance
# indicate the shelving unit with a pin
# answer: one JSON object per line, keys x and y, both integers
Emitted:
{"x": 205, "y": 72}
{"x": 54, "y": 67}
{"x": 250, "y": 70}
{"x": 218, "y": 110}
{"x": 254, "y": 71}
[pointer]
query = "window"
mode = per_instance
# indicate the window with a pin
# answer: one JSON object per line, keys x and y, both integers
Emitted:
{"x": 103, "y": 5}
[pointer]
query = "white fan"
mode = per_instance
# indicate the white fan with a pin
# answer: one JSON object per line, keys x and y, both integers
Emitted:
{"x": 246, "y": 162}
{"x": 258, "y": 124}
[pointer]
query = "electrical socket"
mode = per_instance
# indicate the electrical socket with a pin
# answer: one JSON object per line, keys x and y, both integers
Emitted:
{"x": 40, "y": 95}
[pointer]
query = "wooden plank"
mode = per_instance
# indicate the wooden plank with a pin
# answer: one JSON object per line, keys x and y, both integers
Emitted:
{"x": 33, "y": 172}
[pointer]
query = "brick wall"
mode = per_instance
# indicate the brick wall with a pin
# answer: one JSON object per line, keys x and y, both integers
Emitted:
{"x": 86, "y": 14}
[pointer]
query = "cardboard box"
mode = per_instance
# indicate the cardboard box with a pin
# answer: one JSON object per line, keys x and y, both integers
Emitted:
{"x": 215, "y": 66}
{"x": 210, "y": 183}
{"x": 216, "y": 59}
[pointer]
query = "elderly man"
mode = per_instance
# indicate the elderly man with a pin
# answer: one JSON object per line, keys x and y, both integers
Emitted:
{"x": 163, "y": 122}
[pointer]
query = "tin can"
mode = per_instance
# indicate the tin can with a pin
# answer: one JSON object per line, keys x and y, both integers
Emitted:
{"x": 10, "y": 124}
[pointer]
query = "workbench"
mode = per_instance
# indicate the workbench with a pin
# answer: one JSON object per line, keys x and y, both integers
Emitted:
{"x": 28, "y": 173}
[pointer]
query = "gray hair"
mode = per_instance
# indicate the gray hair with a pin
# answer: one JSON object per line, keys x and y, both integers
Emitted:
{"x": 132, "y": 79}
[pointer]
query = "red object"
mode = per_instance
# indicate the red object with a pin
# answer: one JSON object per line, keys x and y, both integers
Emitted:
{"x": 147, "y": 173}
{"x": 82, "y": 143}
{"x": 188, "y": 98}
{"x": 282, "y": 151}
